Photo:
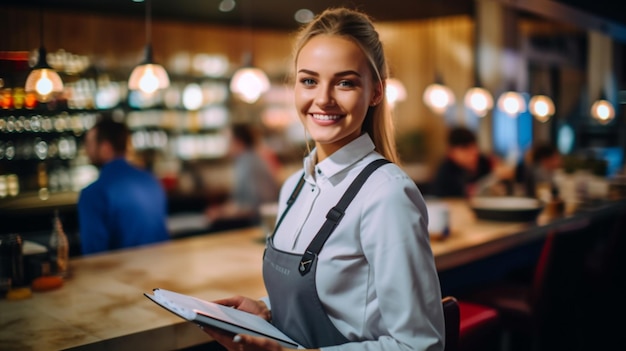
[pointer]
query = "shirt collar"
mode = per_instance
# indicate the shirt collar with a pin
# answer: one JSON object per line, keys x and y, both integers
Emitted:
{"x": 114, "y": 162}
{"x": 340, "y": 159}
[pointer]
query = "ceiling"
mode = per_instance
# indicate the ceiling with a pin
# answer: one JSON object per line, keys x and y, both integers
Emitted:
{"x": 279, "y": 14}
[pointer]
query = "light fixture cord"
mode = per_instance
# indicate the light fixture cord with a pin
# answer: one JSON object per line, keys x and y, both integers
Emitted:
{"x": 477, "y": 48}
{"x": 247, "y": 19}
{"x": 40, "y": 27}
{"x": 148, "y": 21}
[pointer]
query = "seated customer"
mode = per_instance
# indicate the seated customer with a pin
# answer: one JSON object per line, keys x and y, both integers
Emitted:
{"x": 254, "y": 183}
{"x": 544, "y": 160}
{"x": 465, "y": 170}
{"x": 125, "y": 206}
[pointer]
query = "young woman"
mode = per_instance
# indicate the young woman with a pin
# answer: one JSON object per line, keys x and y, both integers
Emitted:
{"x": 366, "y": 280}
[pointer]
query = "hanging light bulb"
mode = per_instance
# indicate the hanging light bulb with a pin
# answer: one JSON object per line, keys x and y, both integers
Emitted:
{"x": 395, "y": 91}
{"x": 438, "y": 97}
{"x": 479, "y": 100}
{"x": 512, "y": 103}
{"x": 43, "y": 81}
{"x": 249, "y": 83}
{"x": 603, "y": 111}
{"x": 148, "y": 77}
{"x": 542, "y": 107}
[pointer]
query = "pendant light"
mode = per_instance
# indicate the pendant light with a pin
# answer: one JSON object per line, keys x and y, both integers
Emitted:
{"x": 602, "y": 111}
{"x": 43, "y": 80}
{"x": 478, "y": 99}
{"x": 511, "y": 103}
{"x": 249, "y": 82}
{"x": 541, "y": 107}
{"x": 437, "y": 96}
{"x": 148, "y": 77}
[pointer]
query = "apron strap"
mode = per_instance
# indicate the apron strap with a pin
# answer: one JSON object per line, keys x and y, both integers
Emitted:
{"x": 290, "y": 202}
{"x": 333, "y": 217}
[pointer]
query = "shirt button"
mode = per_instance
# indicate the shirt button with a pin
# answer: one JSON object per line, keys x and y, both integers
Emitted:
{"x": 319, "y": 171}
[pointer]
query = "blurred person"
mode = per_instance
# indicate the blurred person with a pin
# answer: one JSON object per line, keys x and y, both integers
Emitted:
{"x": 126, "y": 206}
{"x": 466, "y": 171}
{"x": 367, "y": 281}
{"x": 254, "y": 183}
{"x": 544, "y": 160}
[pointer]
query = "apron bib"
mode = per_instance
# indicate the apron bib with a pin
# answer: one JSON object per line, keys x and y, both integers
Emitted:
{"x": 290, "y": 278}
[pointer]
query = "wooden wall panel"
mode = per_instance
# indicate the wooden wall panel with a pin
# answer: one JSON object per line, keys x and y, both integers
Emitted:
{"x": 418, "y": 51}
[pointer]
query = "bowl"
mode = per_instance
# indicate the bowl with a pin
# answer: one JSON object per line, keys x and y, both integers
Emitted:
{"x": 506, "y": 208}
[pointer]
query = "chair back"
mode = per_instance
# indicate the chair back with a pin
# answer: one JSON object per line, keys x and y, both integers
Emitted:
{"x": 452, "y": 318}
{"x": 558, "y": 275}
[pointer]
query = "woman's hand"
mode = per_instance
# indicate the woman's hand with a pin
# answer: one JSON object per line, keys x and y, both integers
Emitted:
{"x": 256, "y": 307}
{"x": 242, "y": 342}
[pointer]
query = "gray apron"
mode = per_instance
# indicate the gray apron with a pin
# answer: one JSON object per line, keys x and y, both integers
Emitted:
{"x": 296, "y": 307}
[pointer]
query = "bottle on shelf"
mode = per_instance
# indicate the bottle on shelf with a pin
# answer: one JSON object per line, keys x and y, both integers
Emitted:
{"x": 59, "y": 247}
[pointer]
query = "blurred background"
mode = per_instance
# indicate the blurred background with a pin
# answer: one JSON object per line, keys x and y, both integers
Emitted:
{"x": 560, "y": 63}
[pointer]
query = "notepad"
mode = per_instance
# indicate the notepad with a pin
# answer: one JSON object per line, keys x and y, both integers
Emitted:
{"x": 219, "y": 316}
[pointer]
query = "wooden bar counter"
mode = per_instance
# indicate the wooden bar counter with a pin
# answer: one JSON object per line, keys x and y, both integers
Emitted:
{"x": 101, "y": 305}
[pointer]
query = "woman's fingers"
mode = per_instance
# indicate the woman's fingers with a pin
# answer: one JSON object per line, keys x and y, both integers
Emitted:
{"x": 254, "y": 343}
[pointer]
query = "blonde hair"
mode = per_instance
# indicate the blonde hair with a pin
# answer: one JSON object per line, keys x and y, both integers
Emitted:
{"x": 359, "y": 28}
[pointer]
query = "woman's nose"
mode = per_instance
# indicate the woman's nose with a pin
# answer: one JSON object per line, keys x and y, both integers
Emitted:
{"x": 324, "y": 96}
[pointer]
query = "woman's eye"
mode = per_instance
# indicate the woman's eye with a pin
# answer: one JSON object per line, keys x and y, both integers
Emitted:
{"x": 345, "y": 84}
{"x": 307, "y": 81}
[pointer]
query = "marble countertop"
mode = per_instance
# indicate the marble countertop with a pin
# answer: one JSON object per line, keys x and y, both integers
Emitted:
{"x": 101, "y": 305}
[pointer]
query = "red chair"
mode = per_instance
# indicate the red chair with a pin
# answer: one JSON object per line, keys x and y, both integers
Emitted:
{"x": 470, "y": 326}
{"x": 479, "y": 327}
{"x": 543, "y": 311}
{"x": 451, "y": 316}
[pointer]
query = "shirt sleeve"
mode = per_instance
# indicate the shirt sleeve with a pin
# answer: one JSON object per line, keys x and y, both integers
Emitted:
{"x": 396, "y": 244}
{"x": 92, "y": 226}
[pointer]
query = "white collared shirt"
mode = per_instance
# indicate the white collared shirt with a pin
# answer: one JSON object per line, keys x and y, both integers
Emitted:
{"x": 376, "y": 275}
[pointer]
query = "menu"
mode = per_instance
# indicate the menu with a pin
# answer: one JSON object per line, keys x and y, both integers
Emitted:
{"x": 219, "y": 316}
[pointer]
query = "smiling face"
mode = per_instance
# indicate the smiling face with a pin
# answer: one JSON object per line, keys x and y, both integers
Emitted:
{"x": 334, "y": 89}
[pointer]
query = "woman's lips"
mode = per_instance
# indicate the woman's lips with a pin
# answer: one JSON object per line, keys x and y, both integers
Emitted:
{"x": 325, "y": 119}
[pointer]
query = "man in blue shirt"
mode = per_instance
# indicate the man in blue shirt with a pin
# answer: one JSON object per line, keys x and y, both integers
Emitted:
{"x": 125, "y": 206}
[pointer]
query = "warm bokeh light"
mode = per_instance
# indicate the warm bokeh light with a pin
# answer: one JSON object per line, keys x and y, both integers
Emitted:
{"x": 512, "y": 103}
{"x": 395, "y": 91}
{"x": 602, "y": 111}
{"x": 148, "y": 78}
{"x": 542, "y": 107}
{"x": 45, "y": 83}
{"x": 479, "y": 100}
{"x": 438, "y": 97}
{"x": 249, "y": 83}
{"x": 192, "y": 97}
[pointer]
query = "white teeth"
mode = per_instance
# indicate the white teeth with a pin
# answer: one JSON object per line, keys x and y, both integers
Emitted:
{"x": 326, "y": 117}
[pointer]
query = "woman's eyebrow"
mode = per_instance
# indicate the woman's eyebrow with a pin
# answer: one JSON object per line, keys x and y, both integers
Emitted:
{"x": 338, "y": 74}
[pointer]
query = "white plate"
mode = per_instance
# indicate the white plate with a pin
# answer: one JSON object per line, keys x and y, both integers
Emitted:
{"x": 505, "y": 203}
{"x": 33, "y": 248}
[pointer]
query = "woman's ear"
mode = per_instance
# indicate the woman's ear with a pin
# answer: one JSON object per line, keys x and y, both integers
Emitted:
{"x": 377, "y": 95}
